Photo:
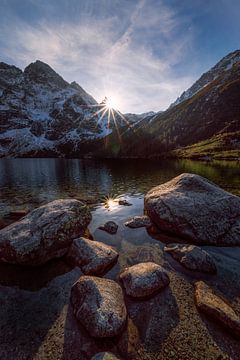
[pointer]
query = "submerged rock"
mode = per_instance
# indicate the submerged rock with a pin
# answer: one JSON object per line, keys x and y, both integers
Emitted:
{"x": 104, "y": 356}
{"x": 92, "y": 257}
{"x": 98, "y": 305}
{"x": 192, "y": 257}
{"x": 124, "y": 203}
{"x": 144, "y": 279}
{"x": 45, "y": 233}
{"x": 217, "y": 308}
{"x": 110, "y": 227}
{"x": 139, "y": 221}
{"x": 192, "y": 207}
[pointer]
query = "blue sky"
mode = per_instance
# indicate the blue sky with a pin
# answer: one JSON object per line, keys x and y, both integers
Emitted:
{"x": 141, "y": 53}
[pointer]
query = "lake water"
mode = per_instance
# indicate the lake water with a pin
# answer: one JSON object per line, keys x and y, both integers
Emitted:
{"x": 27, "y": 183}
{"x": 36, "y": 319}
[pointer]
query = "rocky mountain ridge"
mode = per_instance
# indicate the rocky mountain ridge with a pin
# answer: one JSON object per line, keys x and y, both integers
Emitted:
{"x": 41, "y": 114}
{"x": 223, "y": 65}
{"x": 212, "y": 111}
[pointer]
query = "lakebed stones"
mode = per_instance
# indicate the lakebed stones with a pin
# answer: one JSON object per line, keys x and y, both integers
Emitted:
{"x": 216, "y": 308}
{"x": 45, "y": 233}
{"x": 98, "y": 305}
{"x": 92, "y": 257}
{"x": 139, "y": 221}
{"x": 144, "y": 279}
{"x": 104, "y": 356}
{"x": 110, "y": 227}
{"x": 192, "y": 257}
{"x": 194, "y": 208}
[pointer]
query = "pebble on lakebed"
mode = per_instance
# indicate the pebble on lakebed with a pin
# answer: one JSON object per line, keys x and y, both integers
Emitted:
{"x": 110, "y": 227}
{"x": 98, "y": 304}
{"x": 92, "y": 257}
{"x": 144, "y": 279}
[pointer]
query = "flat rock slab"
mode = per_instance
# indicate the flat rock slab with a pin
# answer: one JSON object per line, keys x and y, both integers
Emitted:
{"x": 139, "y": 221}
{"x": 104, "y": 356}
{"x": 92, "y": 257}
{"x": 110, "y": 227}
{"x": 144, "y": 279}
{"x": 45, "y": 233}
{"x": 98, "y": 304}
{"x": 192, "y": 257}
{"x": 217, "y": 308}
{"x": 194, "y": 208}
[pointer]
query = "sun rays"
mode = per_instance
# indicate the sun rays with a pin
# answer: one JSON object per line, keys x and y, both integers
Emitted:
{"x": 107, "y": 110}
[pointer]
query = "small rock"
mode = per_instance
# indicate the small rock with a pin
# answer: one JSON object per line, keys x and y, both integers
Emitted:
{"x": 216, "y": 308}
{"x": 192, "y": 257}
{"x": 144, "y": 279}
{"x": 110, "y": 227}
{"x": 98, "y": 304}
{"x": 124, "y": 202}
{"x": 92, "y": 257}
{"x": 104, "y": 356}
{"x": 45, "y": 233}
{"x": 139, "y": 221}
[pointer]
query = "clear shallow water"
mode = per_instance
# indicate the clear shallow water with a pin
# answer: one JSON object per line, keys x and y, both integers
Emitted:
{"x": 27, "y": 183}
{"x": 35, "y": 315}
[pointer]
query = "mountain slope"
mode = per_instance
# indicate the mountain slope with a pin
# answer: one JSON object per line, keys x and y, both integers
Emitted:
{"x": 212, "y": 110}
{"x": 223, "y": 65}
{"x": 41, "y": 114}
{"x": 221, "y": 146}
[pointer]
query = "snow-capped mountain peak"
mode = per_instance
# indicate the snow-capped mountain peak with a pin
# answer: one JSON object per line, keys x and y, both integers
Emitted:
{"x": 223, "y": 65}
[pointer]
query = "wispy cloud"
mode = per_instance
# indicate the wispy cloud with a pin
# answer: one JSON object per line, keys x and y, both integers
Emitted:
{"x": 132, "y": 59}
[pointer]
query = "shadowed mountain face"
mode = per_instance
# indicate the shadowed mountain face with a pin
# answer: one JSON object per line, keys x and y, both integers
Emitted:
{"x": 43, "y": 115}
{"x": 214, "y": 110}
{"x": 223, "y": 65}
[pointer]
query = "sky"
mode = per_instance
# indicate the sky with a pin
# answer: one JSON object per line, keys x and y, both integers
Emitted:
{"x": 142, "y": 54}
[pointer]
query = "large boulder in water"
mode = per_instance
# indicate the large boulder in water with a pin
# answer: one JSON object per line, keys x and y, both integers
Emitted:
{"x": 45, "y": 233}
{"x": 194, "y": 208}
{"x": 99, "y": 306}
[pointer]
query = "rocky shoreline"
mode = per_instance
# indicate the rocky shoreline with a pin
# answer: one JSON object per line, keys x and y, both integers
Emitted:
{"x": 176, "y": 301}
